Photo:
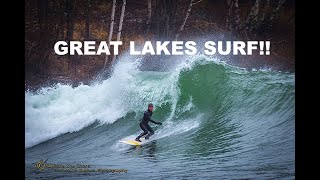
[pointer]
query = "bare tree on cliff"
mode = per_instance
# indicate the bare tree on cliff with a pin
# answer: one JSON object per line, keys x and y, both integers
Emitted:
{"x": 42, "y": 13}
{"x": 70, "y": 24}
{"x": 120, "y": 23}
{"x": 229, "y": 4}
{"x": 62, "y": 10}
{"x": 185, "y": 19}
{"x": 236, "y": 16}
{"x": 70, "y": 19}
{"x": 264, "y": 11}
{"x": 233, "y": 16}
{"x": 259, "y": 20}
{"x": 114, "y": 3}
{"x": 275, "y": 13}
{"x": 42, "y": 6}
{"x": 149, "y": 15}
{"x": 252, "y": 18}
{"x": 165, "y": 17}
{"x": 39, "y": 48}
{"x": 87, "y": 28}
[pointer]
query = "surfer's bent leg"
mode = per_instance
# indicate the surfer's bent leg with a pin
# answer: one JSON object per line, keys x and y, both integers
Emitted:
{"x": 144, "y": 128}
{"x": 151, "y": 132}
{"x": 145, "y": 131}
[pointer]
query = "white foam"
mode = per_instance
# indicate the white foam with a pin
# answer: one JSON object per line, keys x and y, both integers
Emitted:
{"x": 188, "y": 106}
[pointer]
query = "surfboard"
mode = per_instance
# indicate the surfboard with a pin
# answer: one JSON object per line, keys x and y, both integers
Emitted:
{"x": 134, "y": 142}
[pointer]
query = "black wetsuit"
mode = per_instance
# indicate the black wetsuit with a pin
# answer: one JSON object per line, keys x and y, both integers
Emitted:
{"x": 145, "y": 126}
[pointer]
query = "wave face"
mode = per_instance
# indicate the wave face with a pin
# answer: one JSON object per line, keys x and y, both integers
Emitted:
{"x": 218, "y": 121}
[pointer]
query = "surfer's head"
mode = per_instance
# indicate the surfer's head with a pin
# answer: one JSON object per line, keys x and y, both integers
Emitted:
{"x": 150, "y": 107}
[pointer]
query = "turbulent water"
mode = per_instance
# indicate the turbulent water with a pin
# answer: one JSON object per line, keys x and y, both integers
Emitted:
{"x": 219, "y": 121}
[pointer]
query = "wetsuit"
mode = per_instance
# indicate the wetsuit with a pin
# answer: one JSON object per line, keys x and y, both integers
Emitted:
{"x": 145, "y": 126}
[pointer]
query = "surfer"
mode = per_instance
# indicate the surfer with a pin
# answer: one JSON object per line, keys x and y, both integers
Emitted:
{"x": 144, "y": 123}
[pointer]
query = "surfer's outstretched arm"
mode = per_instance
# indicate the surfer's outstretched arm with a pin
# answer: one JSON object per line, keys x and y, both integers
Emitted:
{"x": 155, "y": 122}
